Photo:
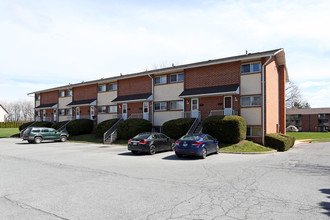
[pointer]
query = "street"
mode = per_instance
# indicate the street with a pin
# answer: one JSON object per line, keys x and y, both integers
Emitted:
{"x": 94, "y": 181}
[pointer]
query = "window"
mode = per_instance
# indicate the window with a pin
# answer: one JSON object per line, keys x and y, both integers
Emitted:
{"x": 102, "y": 88}
{"x": 112, "y": 86}
{"x": 102, "y": 109}
{"x": 69, "y": 92}
{"x": 176, "y": 78}
{"x": 253, "y": 132}
{"x": 160, "y": 79}
{"x": 38, "y": 113}
{"x": 37, "y": 97}
{"x": 36, "y": 131}
{"x": 250, "y": 101}
{"x": 251, "y": 68}
{"x": 68, "y": 111}
{"x": 61, "y": 111}
{"x": 160, "y": 106}
{"x": 45, "y": 130}
{"x": 176, "y": 105}
{"x": 113, "y": 109}
{"x": 61, "y": 94}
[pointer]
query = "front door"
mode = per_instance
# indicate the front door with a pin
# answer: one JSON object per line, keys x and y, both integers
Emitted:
{"x": 77, "y": 112}
{"x": 146, "y": 110}
{"x": 228, "y": 110}
{"x": 92, "y": 112}
{"x": 194, "y": 108}
{"x": 44, "y": 115}
{"x": 55, "y": 115}
{"x": 124, "y": 111}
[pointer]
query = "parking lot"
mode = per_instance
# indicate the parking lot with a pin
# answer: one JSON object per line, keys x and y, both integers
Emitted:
{"x": 94, "y": 181}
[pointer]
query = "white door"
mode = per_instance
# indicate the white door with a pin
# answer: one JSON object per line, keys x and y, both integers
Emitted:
{"x": 55, "y": 115}
{"x": 92, "y": 112}
{"x": 77, "y": 112}
{"x": 44, "y": 115}
{"x": 124, "y": 111}
{"x": 194, "y": 108}
{"x": 146, "y": 110}
{"x": 228, "y": 109}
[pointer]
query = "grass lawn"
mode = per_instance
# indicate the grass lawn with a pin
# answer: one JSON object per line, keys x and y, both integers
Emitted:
{"x": 86, "y": 138}
{"x": 243, "y": 147}
{"x": 315, "y": 136}
{"x": 7, "y": 132}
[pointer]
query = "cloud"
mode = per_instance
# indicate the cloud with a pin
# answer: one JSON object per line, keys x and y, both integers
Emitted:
{"x": 313, "y": 84}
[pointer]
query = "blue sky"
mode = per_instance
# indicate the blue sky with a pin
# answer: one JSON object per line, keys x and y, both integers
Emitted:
{"x": 46, "y": 43}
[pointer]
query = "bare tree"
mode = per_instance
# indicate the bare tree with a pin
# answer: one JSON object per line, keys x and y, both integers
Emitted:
{"x": 20, "y": 111}
{"x": 293, "y": 96}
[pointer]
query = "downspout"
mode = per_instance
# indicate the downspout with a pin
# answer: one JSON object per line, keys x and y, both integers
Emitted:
{"x": 263, "y": 99}
{"x": 152, "y": 101}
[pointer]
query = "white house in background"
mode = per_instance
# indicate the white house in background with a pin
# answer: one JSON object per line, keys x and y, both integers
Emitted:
{"x": 3, "y": 113}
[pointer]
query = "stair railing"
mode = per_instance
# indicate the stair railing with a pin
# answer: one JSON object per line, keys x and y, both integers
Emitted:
{"x": 112, "y": 132}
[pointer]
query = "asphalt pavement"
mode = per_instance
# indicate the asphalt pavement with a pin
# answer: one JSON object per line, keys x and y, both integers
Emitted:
{"x": 95, "y": 181}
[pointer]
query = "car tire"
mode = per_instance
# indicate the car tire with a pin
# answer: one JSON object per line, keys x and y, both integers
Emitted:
{"x": 63, "y": 138}
{"x": 37, "y": 140}
{"x": 152, "y": 149}
{"x": 204, "y": 153}
{"x": 30, "y": 142}
{"x": 179, "y": 155}
{"x": 173, "y": 147}
{"x": 217, "y": 149}
{"x": 134, "y": 151}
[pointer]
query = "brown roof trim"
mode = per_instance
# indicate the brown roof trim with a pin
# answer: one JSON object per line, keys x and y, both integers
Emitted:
{"x": 4, "y": 109}
{"x": 173, "y": 68}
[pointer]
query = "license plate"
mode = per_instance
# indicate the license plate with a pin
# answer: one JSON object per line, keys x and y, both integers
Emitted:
{"x": 185, "y": 145}
{"x": 134, "y": 143}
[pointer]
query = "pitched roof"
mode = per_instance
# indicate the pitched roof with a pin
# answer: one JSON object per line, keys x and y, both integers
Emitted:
{"x": 308, "y": 111}
{"x": 44, "y": 106}
{"x": 82, "y": 102}
{"x": 279, "y": 53}
{"x": 4, "y": 109}
{"x": 213, "y": 90}
{"x": 131, "y": 98}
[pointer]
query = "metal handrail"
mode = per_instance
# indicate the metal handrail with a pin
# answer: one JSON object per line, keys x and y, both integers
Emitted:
{"x": 193, "y": 126}
{"x": 221, "y": 112}
{"x": 109, "y": 132}
{"x": 64, "y": 126}
{"x": 140, "y": 115}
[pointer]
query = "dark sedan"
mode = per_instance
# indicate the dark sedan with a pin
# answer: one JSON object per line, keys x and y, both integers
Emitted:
{"x": 197, "y": 144}
{"x": 150, "y": 143}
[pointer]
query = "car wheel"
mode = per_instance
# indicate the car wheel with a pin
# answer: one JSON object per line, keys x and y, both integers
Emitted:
{"x": 134, "y": 151}
{"x": 179, "y": 155}
{"x": 204, "y": 153}
{"x": 37, "y": 140}
{"x": 173, "y": 147}
{"x": 152, "y": 149}
{"x": 63, "y": 138}
{"x": 30, "y": 141}
{"x": 217, "y": 149}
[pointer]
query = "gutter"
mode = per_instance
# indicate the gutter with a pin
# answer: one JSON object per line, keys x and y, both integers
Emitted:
{"x": 152, "y": 100}
{"x": 263, "y": 98}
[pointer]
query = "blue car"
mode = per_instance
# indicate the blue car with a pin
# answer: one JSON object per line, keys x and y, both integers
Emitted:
{"x": 196, "y": 144}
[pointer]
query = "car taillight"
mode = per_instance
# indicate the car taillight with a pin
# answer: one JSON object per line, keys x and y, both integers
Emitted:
{"x": 197, "y": 143}
{"x": 177, "y": 143}
{"x": 129, "y": 141}
{"x": 143, "y": 142}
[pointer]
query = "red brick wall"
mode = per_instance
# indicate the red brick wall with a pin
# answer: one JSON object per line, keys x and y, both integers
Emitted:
{"x": 282, "y": 99}
{"x": 134, "y": 108}
{"x": 309, "y": 123}
{"x": 136, "y": 85}
{"x": 215, "y": 75}
{"x": 85, "y": 92}
{"x": 49, "y": 97}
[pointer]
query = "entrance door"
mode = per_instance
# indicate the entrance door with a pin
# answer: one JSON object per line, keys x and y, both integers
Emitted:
{"x": 92, "y": 112}
{"x": 77, "y": 112}
{"x": 146, "y": 110}
{"x": 194, "y": 108}
{"x": 55, "y": 115}
{"x": 44, "y": 115}
{"x": 124, "y": 111}
{"x": 228, "y": 110}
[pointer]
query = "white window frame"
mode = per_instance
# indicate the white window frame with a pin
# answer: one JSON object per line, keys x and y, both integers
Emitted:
{"x": 252, "y": 133}
{"x": 112, "y": 106}
{"x": 102, "y": 88}
{"x": 102, "y": 109}
{"x": 61, "y": 94}
{"x": 68, "y": 93}
{"x": 38, "y": 97}
{"x": 251, "y": 68}
{"x": 61, "y": 112}
{"x": 160, "y": 80}
{"x": 114, "y": 87}
{"x": 176, "y": 78}
{"x": 250, "y": 101}
{"x": 176, "y": 105}
{"x": 162, "y": 106}
{"x": 68, "y": 111}
{"x": 38, "y": 113}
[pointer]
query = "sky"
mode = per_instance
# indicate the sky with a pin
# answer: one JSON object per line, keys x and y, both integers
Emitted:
{"x": 47, "y": 43}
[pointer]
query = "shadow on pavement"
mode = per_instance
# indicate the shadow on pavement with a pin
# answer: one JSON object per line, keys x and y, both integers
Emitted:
{"x": 325, "y": 205}
{"x": 174, "y": 157}
{"x": 133, "y": 155}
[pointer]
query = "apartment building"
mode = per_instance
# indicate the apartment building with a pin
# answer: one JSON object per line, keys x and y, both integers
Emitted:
{"x": 309, "y": 120}
{"x": 3, "y": 113}
{"x": 250, "y": 85}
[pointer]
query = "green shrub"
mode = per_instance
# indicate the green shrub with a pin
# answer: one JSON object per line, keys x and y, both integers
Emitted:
{"x": 58, "y": 125}
{"x": 177, "y": 128}
{"x": 10, "y": 124}
{"x": 46, "y": 124}
{"x": 104, "y": 126}
{"x": 80, "y": 126}
{"x": 279, "y": 142}
{"x": 226, "y": 129}
{"x": 21, "y": 127}
{"x": 131, "y": 127}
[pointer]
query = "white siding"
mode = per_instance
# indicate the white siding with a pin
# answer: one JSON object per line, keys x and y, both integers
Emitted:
{"x": 252, "y": 116}
{"x": 161, "y": 117}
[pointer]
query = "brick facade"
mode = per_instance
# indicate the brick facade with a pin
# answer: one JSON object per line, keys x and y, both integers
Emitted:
{"x": 136, "y": 85}
{"x": 85, "y": 92}
{"x": 49, "y": 97}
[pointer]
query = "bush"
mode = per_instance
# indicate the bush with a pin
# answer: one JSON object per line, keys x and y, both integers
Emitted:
{"x": 279, "y": 142}
{"x": 131, "y": 127}
{"x": 226, "y": 129}
{"x": 177, "y": 128}
{"x": 46, "y": 124}
{"x": 58, "y": 125}
{"x": 104, "y": 126}
{"x": 80, "y": 126}
{"x": 21, "y": 127}
{"x": 11, "y": 124}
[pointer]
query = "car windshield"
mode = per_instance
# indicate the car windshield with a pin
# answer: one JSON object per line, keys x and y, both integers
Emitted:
{"x": 142, "y": 136}
{"x": 190, "y": 138}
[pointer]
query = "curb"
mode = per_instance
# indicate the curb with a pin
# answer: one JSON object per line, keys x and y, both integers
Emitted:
{"x": 264, "y": 152}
